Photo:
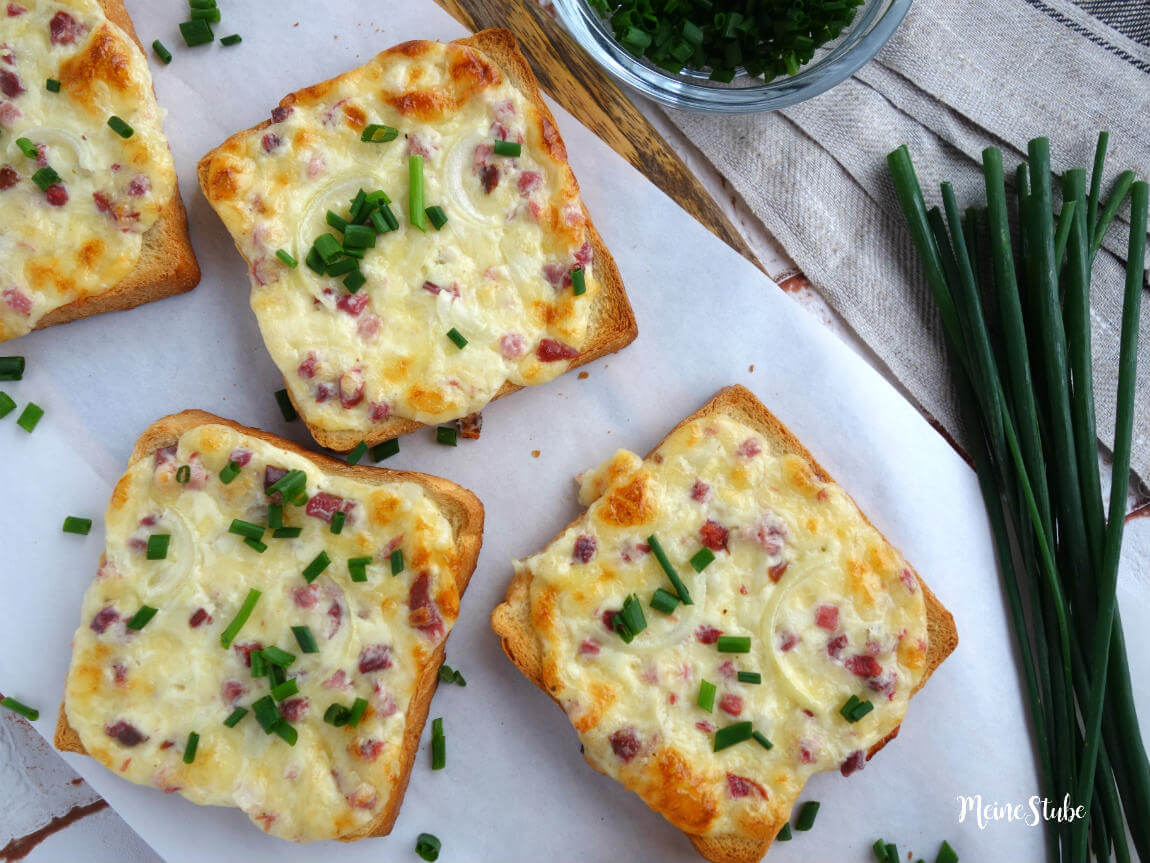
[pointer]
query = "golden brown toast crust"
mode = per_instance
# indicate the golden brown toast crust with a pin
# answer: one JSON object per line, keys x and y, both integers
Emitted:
{"x": 167, "y": 264}
{"x": 461, "y": 507}
{"x": 511, "y": 619}
{"x": 612, "y": 326}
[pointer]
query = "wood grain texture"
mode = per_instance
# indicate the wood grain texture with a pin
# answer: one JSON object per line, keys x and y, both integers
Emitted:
{"x": 572, "y": 78}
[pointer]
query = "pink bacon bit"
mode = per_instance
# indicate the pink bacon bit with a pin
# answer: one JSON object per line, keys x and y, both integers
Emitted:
{"x": 104, "y": 618}
{"x": 244, "y": 651}
{"x": 557, "y": 275}
{"x": 294, "y": 709}
{"x": 705, "y": 726}
{"x": 102, "y": 201}
{"x": 281, "y": 113}
{"x": 9, "y": 114}
{"x": 316, "y": 166}
{"x": 15, "y": 10}
{"x": 270, "y": 142}
{"x": 125, "y": 733}
{"x": 777, "y": 571}
{"x": 827, "y": 617}
{"x": 364, "y": 797}
{"x": 378, "y": 412}
{"x": 727, "y": 670}
{"x": 119, "y": 674}
{"x": 625, "y": 744}
{"x": 139, "y": 186}
{"x": 351, "y": 387}
{"x": 512, "y": 346}
{"x": 584, "y": 548}
{"x": 353, "y": 304}
{"x": 240, "y": 456}
{"x": 334, "y": 619}
{"x": 700, "y": 491}
{"x": 435, "y": 290}
{"x": 749, "y": 448}
{"x": 417, "y": 145}
{"x": 788, "y": 640}
{"x": 17, "y": 301}
{"x": 713, "y": 535}
{"x": 10, "y": 84}
{"x": 307, "y": 368}
{"x": 56, "y": 195}
{"x": 730, "y": 704}
{"x": 584, "y": 254}
{"x": 324, "y": 392}
{"x": 337, "y": 680}
{"x": 864, "y": 665}
{"x": 589, "y": 647}
{"x": 323, "y": 506}
{"x": 489, "y": 178}
{"x": 375, "y": 657}
{"x": 8, "y": 177}
{"x": 232, "y": 691}
{"x": 835, "y": 645}
{"x": 529, "y": 182}
{"x": 369, "y": 326}
{"x": 199, "y": 617}
{"x": 909, "y": 581}
{"x": 471, "y": 426}
{"x": 423, "y": 615}
{"x": 63, "y": 29}
{"x": 708, "y": 634}
{"x": 550, "y": 351}
{"x": 306, "y": 597}
{"x": 741, "y": 786}
{"x": 806, "y": 752}
{"x": 367, "y": 750}
{"x": 855, "y": 762}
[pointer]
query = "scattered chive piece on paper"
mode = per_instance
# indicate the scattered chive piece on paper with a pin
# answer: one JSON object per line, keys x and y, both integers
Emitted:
{"x": 807, "y": 814}
{"x": 30, "y": 417}
{"x": 415, "y": 210}
{"x": 210, "y": 14}
{"x": 305, "y": 639}
{"x": 233, "y": 39}
{"x": 733, "y": 644}
{"x": 578, "y": 282}
{"x": 427, "y": 847}
{"x": 507, "y": 148}
{"x": 120, "y": 127}
{"x": 457, "y": 337}
{"x": 438, "y": 745}
{"x": 78, "y": 525}
{"x": 286, "y": 407}
{"x": 235, "y": 716}
{"x": 12, "y": 368}
{"x": 337, "y": 520}
{"x": 233, "y": 629}
{"x": 447, "y": 436}
{"x": 385, "y": 450}
{"x": 706, "y": 699}
{"x": 183, "y": 474}
{"x": 396, "y": 561}
{"x": 230, "y": 471}
{"x": 7, "y": 404}
{"x": 357, "y": 568}
{"x": 784, "y": 835}
{"x": 879, "y": 848}
{"x": 312, "y": 570}
{"x": 157, "y": 548}
{"x": 946, "y": 854}
{"x": 29, "y": 713}
{"x": 376, "y": 133}
{"x": 437, "y": 217}
{"x": 664, "y": 601}
{"x": 202, "y": 4}
{"x": 357, "y": 711}
{"x": 762, "y": 740}
{"x": 191, "y": 747}
{"x": 892, "y": 853}
{"x": 357, "y": 453}
{"x": 750, "y": 677}
{"x": 702, "y": 559}
{"x": 52, "y": 85}
{"x": 285, "y": 256}
{"x": 732, "y": 734}
{"x": 142, "y": 618}
{"x": 162, "y": 52}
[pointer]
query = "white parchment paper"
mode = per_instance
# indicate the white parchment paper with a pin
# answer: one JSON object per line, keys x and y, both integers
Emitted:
{"x": 516, "y": 787}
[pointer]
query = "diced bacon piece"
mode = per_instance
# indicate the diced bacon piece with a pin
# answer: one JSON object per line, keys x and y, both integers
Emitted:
{"x": 705, "y": 726}
{"x": 10, "y": 84}
{"x": 334, "y": 619}
{"x": 873, "y": 648}
{"x": 375, "y": 657}
{"x": 323, "y": 505}
{"x": 63, "y": 29}
{"x": 631, "y": 551}
{"x": 806, "y": 752}
{"x": 435, "y": 289}
{"x": 504, "y": 110}
{"x": 364, "y": 797}
{"x": 608, "y": 617}
{"x": 378, "y": 411}
{"x": 272, "y": 475}
{"x": 550, "y": 351}
{"x": 281, "y": 113}
{"x": 884, "y": 684}
{"x": 316, "y": 166}
{"x": 56, "y": 195}
{"x": 584, "y": 254}
{"x": 423, "y": 614}
{"x": 827, "y": 616}
{"x": 199, "y": 617}
{"x": 529, "y": 181}
{"x": 585, "y": 546}
{"x": 489, "y": 178}
{"x": 835, "y": 645}
{"x": 368, "y": 326}
{"x": 700, "y": 491}
{"x": 9, "y": 114}
{"x": 770, "y": 532}
{"x": 306, "y": 596}
{"x": 325, "y": 391}
{"x": 294, "y": 709}
{"x": 270, "y": 142}
{"x": 713, "y": 535}
{"x": 266, "y": 820}
{"x": 417, "y": 145}
{"x": 15, "y": 9}
{"x": 336, "y": 680}
{"x": 331, "y": 114}
{"x": 232, "y": 691}
{"x": 908, "y": 579}
{"x": 776, "y": 572}
{"x": 708, "y": 634}
{"x": 139, "y": 186}
{"x": 368, "y": 750}
{"x": 307, "y": 367}
{"x": 727, "y": 670}
{"x": 855, "y": 761}
{"x": 244, "y": 651}
{"x": 557, "y": 275}
{"x": 787, "y": 640}
{"x": 102, "y": 201}
{"x": 863, "y": 665}
{"x": 589, "y": 647}
{"x": 240, "y": 456}
{"x": 625, "y": 744}
{"x": 749, "y": 448}
{"x": 353, "y": 304}
{"x": 8, "y": 177}
{"x": 17, "y": 301}
{"x": 471, "y": 426}
{"x": 512, "y": 346}
{"x": 119, "y": 674}
{"x": 730, "y": 703}
{"x": 104, "y": 618}
{"x": 351, "y": 386}
{"x": 649, "y": 674}
{"x": 124, "y": 732}
{"x": 741, "y": 786}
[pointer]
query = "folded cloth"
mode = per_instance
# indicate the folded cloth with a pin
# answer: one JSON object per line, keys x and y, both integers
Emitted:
{"x": 957, "y": 76}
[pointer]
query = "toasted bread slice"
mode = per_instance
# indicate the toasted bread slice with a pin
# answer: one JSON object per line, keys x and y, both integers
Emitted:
{"x": 460, "y": 507}
{"x": 512, "y": 619}
{"x": 167, "y": 265}
{"x": 612, "y": 322}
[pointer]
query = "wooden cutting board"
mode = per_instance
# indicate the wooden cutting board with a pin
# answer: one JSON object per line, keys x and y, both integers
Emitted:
{"x": 572, "y": 78}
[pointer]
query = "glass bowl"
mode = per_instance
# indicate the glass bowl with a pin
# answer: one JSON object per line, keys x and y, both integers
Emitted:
{"x": 873, "y": 25}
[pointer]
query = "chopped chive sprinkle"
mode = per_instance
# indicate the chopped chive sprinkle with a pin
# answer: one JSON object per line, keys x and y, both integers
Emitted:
{"x": 377, "y": 133}
{"x": 630, "y": 621}
{"x": 438, "y": 745}
{"x": 427, "y": 847}
{"x": 286, "y": 733}
{"x": 157, "y": 548}
{"x": 7, "y": 405}
{"x": 314, "y": 260}
{"x": 285, "y": 256}
{"x": 30, "y": 417}
{"x": 267, "y": 714}
{"x": 732, "y": 734}
{"x": 305, "y": 639}
{"x": 233, "y": 39}
{"x": 246, "y": 529}
{"x": 235, "y": 716}
{"x": 892, "y": 853}
{"x": 762, "y": 740}
{"x": 76, "y": 524}
{"x": 142, "y": 617}
{"x": 389, "y": 218}
{"x": 45, "y": 178}
{"x": 275, "y": 516}
{"x": 447, "y": 436}
{"x": 328, "y": 247}
{"x": 285, "y": 690}
{"x": 447, "y": 674}
{"x": 702, "y": 559}
{"x": 211, "y": 14}
{"x": 337, "y": 715}
{"x": 357, "y": 711}
{"x": 879, "y": 848}
{"x": 676, "y": 582}
{"x": 287, "y": 532}
{"x": 255, "y": 544}
{"x": 342, "y": 266}
{"x": 120, "y": 127}
{"x": 457, "y": 678}
{"x": 946, "y": 854}
{"x": 289, "y": 485}
{"x": 312, "y": 570}
{"x": 396, "y": 559}
{"x": 11, "y": 368}
{"x": 286, "y": 407}
{"x": 784, "y": 835}
{"x": 29, "y": 713}
{"x": 706, "y": 699}
{"x": 278, "y": 656}
{"x": 183, "y": 474}
{"x": 258, "y": 665}
{"x": 162, "y": 52}
{"x": 337, "y": 520}
{"x": 664, "y": 601}
{"x": 734, "y": 644}
{"x": 457, "y": 337}
{"x": 507, "y": 148}
{"x": 29, "y": 149}
{"x": 357, "y": 452}
{"x": 190, "y": 748}
{"x": 415, "y": 210}
{"x": 358, "y": 237}
{"x": 750, "y": 677}
{"x": 301, "y": 498}
{"x": 354, "y": 281}
{"x": 231, "y": 471}
{"x": 357, "y": 568}
{"x": 436, "y": 216}
{"x": 202, "y": 4}
{"x": 807, "y": 814}
{"x": 52, "y": 85}
{"x": 249, "y": 603}
{"x": 385, "y": 450}
{"x": 578, "y": 282}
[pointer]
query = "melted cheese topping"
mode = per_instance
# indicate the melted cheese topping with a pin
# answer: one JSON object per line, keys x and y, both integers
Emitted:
{"x": 498, "y": 272}
{"x": 830, "y": 607}
{"x": 84, "y": 235}
{"x": 134, "y": 697}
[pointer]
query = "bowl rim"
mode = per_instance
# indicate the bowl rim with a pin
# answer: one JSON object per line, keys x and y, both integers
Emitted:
{"x": 858, "y": 46}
